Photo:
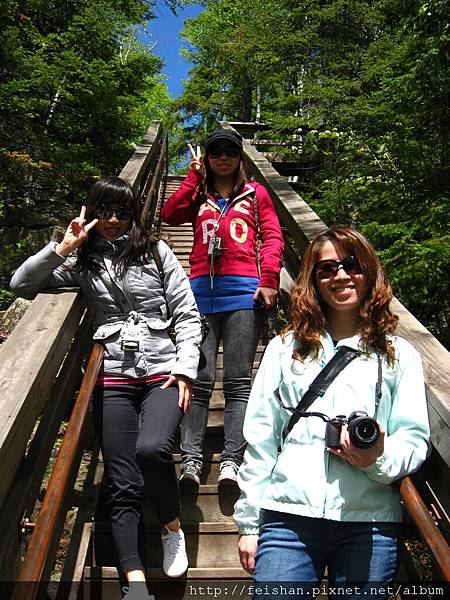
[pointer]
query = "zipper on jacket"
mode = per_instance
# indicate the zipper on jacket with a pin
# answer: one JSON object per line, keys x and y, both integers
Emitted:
{"x": 127, "y": 290}
{"x": 115, "y": 284}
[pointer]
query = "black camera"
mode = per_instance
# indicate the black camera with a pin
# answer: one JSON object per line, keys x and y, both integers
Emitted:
{"x": 362, "y": 429}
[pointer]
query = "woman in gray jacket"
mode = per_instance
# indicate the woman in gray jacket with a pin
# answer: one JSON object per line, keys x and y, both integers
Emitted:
{"x": 107, "y": 253}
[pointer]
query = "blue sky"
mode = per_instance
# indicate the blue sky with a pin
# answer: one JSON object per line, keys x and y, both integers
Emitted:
{"x": 164, "y": 31}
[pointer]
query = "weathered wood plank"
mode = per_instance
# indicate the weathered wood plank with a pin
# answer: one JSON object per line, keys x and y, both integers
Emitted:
{"x": 156, "y": 573}
{"x": 23, "y": 493}
{"x": 71, "y": 589}
{"x": 436, "y": 363}
{"x": 135, "y": 169}
{"x": 29, "y": 361}
{"x": 78, "y": 553}
{"x": 208, "y": 545}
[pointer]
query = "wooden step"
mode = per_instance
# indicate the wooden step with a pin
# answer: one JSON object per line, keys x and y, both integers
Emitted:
{"x": 182, "y": 230}
{"x": 222, "y": 583}
{"x": 208, "y": 503}
{"x": 208, "y": 476}
{"x": 207, "y": 545}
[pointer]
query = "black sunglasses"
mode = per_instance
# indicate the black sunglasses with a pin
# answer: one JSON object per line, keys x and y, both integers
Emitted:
{"x": 106, "y": 211}
{"x": 229, "y": 151}
{"x": 323, "y": 269}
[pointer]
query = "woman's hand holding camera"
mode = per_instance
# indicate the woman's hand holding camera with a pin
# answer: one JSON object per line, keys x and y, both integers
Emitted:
{"x": 359, "y": 457}
{"x": 76, "y": 234}
{"x": 197, "y": 160}
{"x": 248, "y": 545}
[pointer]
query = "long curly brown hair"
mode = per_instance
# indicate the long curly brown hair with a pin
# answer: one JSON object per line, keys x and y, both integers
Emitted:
{"x": 308, "y": 312}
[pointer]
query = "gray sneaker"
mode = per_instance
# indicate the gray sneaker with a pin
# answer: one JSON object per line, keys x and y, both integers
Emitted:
{"x": 228, "y": 473}
{"x": 190, "y": 473}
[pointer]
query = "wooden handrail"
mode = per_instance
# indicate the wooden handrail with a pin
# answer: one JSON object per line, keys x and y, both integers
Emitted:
{"x": 29, "y": 362}
{"x": 136, "y": 171}
{"x": 41, "y": 539}
{"x": 426, "y": 526}
{"x": 149, "y": 205}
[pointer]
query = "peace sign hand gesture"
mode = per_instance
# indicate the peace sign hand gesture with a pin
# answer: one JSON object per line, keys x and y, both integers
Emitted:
{"x": 76, "y": 234}
{"x": 197, "y": 163}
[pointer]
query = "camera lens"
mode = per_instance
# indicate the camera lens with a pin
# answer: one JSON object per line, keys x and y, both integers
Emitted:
{"x": 363, "y": 431}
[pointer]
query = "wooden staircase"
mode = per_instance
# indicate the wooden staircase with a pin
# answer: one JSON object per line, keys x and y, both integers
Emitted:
{"x": 206, "y": 511}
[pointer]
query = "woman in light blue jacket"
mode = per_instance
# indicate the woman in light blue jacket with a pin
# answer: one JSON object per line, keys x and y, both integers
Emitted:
{"x": 145, "y": 373}
{"x": 304, "y": 505}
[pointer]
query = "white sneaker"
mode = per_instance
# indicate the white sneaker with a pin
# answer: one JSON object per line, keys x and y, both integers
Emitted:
{"x": 228, "y": 471}
{"x": 175, "y": 561}
{"x": 137, "y": 591}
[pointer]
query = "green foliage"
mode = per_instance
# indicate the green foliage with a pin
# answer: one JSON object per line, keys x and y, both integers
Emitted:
{"x": 76, "y": 90}
{"x": 6, "y": 298}
{"x": 364, "y": 85}
{"x": 10, "y": 254}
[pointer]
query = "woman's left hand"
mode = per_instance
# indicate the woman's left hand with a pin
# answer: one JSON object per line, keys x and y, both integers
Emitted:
{"x": 184, "y": 390}
{"x": 360, "y": 457}
{"x": 266, "y": 296}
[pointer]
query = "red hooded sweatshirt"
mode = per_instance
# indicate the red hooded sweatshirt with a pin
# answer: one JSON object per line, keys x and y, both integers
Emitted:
{"x": 236, "y": 228}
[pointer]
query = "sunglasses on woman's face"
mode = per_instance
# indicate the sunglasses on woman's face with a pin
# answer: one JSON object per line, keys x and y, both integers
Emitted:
{"x": 324, "y": 269}
{"x": 229, "y": 151}
{"x": 106, "y": 211}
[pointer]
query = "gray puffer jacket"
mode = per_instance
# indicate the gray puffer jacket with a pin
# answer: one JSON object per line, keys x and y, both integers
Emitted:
{"x": 130, "y": 313}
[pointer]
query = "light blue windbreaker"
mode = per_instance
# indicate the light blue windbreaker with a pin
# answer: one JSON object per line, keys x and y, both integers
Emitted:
{"x": 305, "y": 479}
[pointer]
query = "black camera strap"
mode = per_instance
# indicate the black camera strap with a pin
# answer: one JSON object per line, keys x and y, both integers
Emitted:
{"x": 319, "y": 386}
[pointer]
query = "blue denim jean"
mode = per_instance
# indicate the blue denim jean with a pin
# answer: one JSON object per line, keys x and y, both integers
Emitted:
{"x": 293, "y": 551}
{"x": 239, "y": 331}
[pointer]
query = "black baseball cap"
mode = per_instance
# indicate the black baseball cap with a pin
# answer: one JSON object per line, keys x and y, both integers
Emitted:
{"x": 228, "y": 135}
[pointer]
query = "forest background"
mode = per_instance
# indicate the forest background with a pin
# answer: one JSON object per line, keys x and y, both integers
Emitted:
{"x": 366, "y": 83}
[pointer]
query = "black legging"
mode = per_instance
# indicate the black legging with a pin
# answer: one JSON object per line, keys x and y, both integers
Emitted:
{"x": 131, "y": 454}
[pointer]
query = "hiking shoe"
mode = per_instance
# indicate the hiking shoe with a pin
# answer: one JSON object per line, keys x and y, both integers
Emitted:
{"x": 228, "y": 473}
{"x": 137, "y": 591}
{"x": 175, "y": 561}
{"x": 190, "y": 474}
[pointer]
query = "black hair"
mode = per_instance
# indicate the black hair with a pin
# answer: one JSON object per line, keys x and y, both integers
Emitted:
{"x": 135, "y": 248}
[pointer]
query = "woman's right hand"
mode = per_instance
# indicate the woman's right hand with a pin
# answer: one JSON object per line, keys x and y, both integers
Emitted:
{"x": 76, "y": 234}
{"x": 197, "y": 163}
{"x": 248, "y": 545}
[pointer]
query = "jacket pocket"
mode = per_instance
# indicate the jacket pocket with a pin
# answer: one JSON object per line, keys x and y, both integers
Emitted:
{"x": 105, "y": 331}
{"x": 161, "y": 339}
{"x": 109, "y": 335}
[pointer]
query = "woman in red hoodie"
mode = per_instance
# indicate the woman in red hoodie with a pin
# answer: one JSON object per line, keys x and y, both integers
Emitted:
{"x": 235, "y": 266}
